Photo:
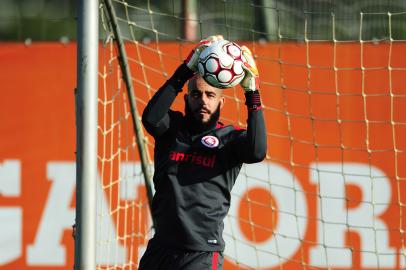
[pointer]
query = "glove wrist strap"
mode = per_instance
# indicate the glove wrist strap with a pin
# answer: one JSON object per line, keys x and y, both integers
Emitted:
{"x": 253, "y": 100}
{"x": 181, "y": 75}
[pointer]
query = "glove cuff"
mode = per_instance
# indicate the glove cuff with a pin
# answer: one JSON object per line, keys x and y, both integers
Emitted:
{"x": 180, "y": 77}
{"x": 253, "y": 100}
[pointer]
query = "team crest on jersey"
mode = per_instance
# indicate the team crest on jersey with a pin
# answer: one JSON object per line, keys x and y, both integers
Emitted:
{"x": 210, "y": 141}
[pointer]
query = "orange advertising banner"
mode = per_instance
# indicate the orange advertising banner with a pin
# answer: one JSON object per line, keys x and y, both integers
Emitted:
{"x": 336, "y": 124}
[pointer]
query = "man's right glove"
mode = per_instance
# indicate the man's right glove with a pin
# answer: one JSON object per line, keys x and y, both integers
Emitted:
{"x": 250, "y": 83}
{"x": 193, "y": 57}
{"x": 186, "y": 71}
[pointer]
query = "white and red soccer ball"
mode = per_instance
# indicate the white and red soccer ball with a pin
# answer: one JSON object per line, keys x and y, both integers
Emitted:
{"x": 220, "y": 64}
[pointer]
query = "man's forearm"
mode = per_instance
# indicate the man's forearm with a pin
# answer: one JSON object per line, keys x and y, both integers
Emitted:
{"x": 256, "y": 131}
{"x": 155, "y": 114}
{"x": 256, "y": 136}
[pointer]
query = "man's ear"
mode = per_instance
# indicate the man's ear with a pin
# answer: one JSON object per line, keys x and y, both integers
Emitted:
{"x": 222, "y": 101}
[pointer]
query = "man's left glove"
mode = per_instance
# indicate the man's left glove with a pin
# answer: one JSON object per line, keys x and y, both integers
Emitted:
{"x": 250, "y": 83}
{"x": 251, "y": 78}
{"x": 193, "y": 57}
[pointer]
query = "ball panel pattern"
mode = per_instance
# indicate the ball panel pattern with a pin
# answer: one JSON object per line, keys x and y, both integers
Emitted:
{"x": 220, "y": 64}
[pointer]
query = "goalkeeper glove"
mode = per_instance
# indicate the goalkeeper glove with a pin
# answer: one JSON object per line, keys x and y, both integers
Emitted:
{"x": 251, "y": 78}
{"x": 250, "y": 83}
{"x": 186, "y": 71}
{"x": 193, "y": 57}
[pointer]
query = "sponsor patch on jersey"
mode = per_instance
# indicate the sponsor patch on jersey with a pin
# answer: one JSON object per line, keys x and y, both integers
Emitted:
{"x": 210, "y": 141}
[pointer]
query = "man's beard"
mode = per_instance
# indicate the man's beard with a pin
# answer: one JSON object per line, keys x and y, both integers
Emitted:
{"x": 197, "y": 124}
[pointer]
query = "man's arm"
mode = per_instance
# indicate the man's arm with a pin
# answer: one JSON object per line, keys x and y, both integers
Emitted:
{"x": 155, "y": 116}
{"x": 251, "y": 146}
{"x": 256, "y": 130}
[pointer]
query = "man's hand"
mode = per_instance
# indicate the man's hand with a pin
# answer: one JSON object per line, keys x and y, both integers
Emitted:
{"x": 251, "y": 78}
{"x": 193, "y": 57}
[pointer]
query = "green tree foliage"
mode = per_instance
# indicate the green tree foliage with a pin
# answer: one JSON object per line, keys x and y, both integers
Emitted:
{"x": 39, "y": 20}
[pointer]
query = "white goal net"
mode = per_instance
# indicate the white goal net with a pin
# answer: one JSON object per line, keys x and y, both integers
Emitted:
{"x": 331, "y": 192}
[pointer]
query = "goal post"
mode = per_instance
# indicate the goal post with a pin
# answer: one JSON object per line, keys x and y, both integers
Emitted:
{"x": 331, "y": 192}
{"x": 86, "y": 136}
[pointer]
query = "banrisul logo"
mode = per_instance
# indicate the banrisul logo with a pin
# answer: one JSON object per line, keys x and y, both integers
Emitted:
{"x": 210, "y": 141}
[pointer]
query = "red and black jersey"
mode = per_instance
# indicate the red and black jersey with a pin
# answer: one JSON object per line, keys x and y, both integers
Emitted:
{"x": 195, "y": 171}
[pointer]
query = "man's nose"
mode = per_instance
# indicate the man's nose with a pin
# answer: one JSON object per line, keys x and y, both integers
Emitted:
{"x": 204, "y": 99}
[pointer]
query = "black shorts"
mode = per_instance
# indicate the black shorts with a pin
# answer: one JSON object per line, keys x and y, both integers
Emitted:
{"x": 157, "y": 257}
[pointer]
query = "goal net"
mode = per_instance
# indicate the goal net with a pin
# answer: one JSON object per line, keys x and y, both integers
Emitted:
{"x": 331, "y": 192}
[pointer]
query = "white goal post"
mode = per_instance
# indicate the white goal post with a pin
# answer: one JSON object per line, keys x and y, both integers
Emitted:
{"x": 86, "y": 123}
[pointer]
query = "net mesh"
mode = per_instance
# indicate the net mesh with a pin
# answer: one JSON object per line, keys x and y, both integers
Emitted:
{"x": 331, "y": 192}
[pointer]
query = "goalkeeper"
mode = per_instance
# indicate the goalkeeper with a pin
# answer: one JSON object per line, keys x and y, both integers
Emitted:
{"x": 197, "y": 160}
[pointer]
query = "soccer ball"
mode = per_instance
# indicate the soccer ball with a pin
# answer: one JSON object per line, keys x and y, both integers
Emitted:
{"x": 220, "y": 64}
